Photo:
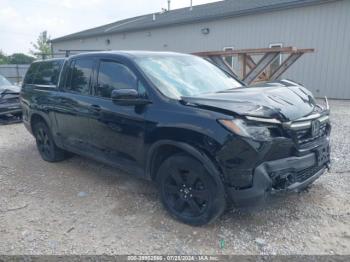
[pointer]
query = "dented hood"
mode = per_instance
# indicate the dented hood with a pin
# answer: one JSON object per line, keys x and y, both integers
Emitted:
{"x": 285, "y": 101}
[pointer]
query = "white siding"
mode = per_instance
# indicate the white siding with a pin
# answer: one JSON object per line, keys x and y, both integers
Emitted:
{"x": 324, "y": 27}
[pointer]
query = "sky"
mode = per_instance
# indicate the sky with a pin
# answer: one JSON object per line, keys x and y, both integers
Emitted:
{"x": 21, "y": 21}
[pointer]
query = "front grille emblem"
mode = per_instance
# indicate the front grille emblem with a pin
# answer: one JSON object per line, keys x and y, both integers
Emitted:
{"x": 315, "y": 128}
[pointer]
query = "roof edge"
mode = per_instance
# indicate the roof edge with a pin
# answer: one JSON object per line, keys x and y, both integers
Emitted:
{"x": 257, "y": 10}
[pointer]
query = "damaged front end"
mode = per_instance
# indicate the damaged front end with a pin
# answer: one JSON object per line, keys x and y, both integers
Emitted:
{"x": 290, "y": 159}
{"x": 10, "y": 108}
{"x": 280, "y": 139}
{"x": 310, "y": 134}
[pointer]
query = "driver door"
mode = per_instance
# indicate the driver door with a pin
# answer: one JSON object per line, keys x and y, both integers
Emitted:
{"x": 117, "y": 131}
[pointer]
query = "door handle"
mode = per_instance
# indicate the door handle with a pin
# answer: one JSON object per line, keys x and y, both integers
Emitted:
{"x": 95, "y": 108}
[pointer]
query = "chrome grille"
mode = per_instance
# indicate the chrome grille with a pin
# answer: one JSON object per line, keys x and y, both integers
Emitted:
{"x": 301, "y": 130}
{"x": 304, "y": 136}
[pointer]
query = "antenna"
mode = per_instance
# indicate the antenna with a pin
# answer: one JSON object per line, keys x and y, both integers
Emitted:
{"x": 169, "y": 3}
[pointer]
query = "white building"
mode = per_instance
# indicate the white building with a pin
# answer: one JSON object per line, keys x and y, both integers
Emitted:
{"x": 240, "y": 24}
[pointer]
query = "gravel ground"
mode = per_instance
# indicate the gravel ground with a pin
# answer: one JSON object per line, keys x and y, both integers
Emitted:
{"x": 80, "y": 206}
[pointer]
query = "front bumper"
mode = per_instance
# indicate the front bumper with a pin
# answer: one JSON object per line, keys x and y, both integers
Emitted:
{"x": 10, "y": 109}
{"x": 288, "y": 174}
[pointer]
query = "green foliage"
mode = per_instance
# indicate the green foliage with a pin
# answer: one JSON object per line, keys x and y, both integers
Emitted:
{"x": 17, "y": 58}
{"x": 3, "y": 58}
{"x": 42, "y": 46}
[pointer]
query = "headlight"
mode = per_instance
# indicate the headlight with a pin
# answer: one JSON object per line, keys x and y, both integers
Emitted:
{"x": 254, "y": 130}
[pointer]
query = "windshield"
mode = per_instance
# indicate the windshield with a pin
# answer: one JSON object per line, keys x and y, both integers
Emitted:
{"x": 181, "y": 75}
{"x": 4, "y": 81}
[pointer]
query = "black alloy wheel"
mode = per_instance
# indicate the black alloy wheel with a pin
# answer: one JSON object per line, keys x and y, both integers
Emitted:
{"x": 46, "y": 145}
{"x": 189, "y": 192}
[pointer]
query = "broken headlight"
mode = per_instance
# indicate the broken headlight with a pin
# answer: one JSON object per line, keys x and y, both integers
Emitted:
{"x": 256, "y": 130}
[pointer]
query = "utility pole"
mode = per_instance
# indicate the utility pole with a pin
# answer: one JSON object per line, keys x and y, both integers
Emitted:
{"x": 169, "y": 3}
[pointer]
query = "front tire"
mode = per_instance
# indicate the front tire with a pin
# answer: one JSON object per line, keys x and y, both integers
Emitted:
{"x": 46, "y": 145}
{"x": 189, "y": 192}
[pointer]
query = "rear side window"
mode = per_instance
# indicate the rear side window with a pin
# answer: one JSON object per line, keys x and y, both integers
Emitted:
{"x": 79, "y": 76}
{"x": 113, "y": 75}
{"x": 30, "y": 75}
{"x": 48, "y": 73}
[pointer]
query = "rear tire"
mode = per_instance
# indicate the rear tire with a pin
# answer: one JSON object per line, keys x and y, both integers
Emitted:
{"x": 189, "y": 192}
{"x": 46, "y": 145}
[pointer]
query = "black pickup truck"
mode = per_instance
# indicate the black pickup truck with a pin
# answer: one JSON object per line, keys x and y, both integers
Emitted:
{"x": 203, "y": 137}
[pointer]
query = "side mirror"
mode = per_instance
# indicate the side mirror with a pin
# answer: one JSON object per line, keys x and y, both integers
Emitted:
{"x": 128, "y": 97}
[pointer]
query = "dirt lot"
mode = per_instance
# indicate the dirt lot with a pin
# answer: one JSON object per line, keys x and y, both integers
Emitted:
{"x": 82, "y": 207}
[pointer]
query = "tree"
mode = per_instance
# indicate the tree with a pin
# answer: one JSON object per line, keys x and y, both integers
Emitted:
{"x": 3, "y": 58}
{"x": 16, "y": 58}
{"x": 42, "y": 47}
{"x": 20, "y": 58}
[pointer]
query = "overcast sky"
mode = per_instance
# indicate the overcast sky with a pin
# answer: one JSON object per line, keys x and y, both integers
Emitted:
{"x": 21, "y": 21}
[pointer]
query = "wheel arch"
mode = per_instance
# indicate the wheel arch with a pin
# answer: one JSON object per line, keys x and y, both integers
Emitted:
{"x": 161, "y": 150}
{"x": 37, "y": 117}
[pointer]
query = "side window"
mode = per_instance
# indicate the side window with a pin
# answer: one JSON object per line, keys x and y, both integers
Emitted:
{"x": 141, "y": 89}
{"x": 30, "y": 75}
{"x": 229, "y": 59}
{"x": 68, "y": 75}
{"x": 79, "y": 76}
{"x": 278, "y": 61}
{"x": 113, "y": 75}
{"x": 48, "y": 73}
